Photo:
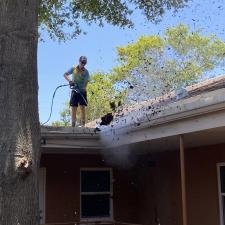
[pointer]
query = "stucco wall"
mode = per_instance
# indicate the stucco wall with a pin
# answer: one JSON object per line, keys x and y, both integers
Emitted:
{"x": 160, "y": 187}
{"x": 63, "y": 188}
{"x": 202, "y": 186}
{"x": 148, "y": 192}
{"x": 159, "y": 194}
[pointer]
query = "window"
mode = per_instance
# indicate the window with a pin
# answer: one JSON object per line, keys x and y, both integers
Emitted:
{"x": 96, "y": 192}
{"x": 221, "y": 182}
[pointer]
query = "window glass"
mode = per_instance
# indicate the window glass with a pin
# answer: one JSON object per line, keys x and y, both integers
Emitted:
{"x": 95, "y": 205}
{"x": 95, "y": 181}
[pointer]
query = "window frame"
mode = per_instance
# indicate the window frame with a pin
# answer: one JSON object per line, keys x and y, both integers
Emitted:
{"x": 220, "y": 194}
{"x": 110, "y": 217}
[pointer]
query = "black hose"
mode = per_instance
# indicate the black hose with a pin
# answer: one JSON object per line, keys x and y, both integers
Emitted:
{"x": 53, "y": 96}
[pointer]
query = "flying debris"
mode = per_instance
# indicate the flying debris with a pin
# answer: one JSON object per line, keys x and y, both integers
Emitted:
{"x": 106, "y": 119}
{"x": 113, "y": 106}
{"x": 97, "y": 129}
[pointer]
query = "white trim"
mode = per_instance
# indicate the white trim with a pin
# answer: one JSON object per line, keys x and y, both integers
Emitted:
{"x": 42, "y": 193}
{"x": 110, "y": 218}
{"x": 219, "y": 165}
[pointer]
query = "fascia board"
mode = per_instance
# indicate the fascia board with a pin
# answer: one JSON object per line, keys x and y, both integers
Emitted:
{"x": 199, "y": 113}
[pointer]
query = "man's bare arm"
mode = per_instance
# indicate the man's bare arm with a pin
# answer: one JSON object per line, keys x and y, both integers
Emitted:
{"x": 66, "y": 76}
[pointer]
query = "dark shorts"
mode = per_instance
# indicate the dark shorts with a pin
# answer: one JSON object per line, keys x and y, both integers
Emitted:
{"x": 78, "y": 99}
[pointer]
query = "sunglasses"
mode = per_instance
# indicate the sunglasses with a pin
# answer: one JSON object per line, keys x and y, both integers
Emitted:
{"x": 83, "y": 62}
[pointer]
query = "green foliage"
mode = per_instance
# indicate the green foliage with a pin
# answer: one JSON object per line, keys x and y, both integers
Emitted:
{"x": 63, "y": 18}
{"x": 101, "y": 92}
{"x": 64, "y": 117}
{"x": 133, "y": 55}
{"x": 159, "y": 64}
{"x": 59, "y": 124}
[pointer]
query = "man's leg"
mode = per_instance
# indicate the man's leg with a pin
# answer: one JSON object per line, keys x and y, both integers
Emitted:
{"x": 83, "y": 103}
{"x": 74, "y": 115}
{"x": 82, "y": 115}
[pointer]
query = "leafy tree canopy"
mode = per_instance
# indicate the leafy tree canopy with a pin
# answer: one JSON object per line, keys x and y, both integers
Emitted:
{"x": 63, "y": 18}
{"x": 159, "y": 64}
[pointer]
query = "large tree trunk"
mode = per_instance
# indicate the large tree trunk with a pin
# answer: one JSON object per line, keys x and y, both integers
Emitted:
{"x": 19, "y": 122}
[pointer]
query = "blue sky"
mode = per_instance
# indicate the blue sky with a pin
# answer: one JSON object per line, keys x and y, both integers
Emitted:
{"x": 99, "y": 45}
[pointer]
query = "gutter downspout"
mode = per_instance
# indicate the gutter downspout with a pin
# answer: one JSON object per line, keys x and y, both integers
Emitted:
{"x": 183, "y": 180}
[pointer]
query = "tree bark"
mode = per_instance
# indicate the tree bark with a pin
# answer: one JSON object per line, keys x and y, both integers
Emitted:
{"x": 19, "y": 121}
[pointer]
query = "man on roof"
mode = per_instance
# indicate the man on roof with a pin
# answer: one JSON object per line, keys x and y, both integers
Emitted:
{"x": 78, "y": 83}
